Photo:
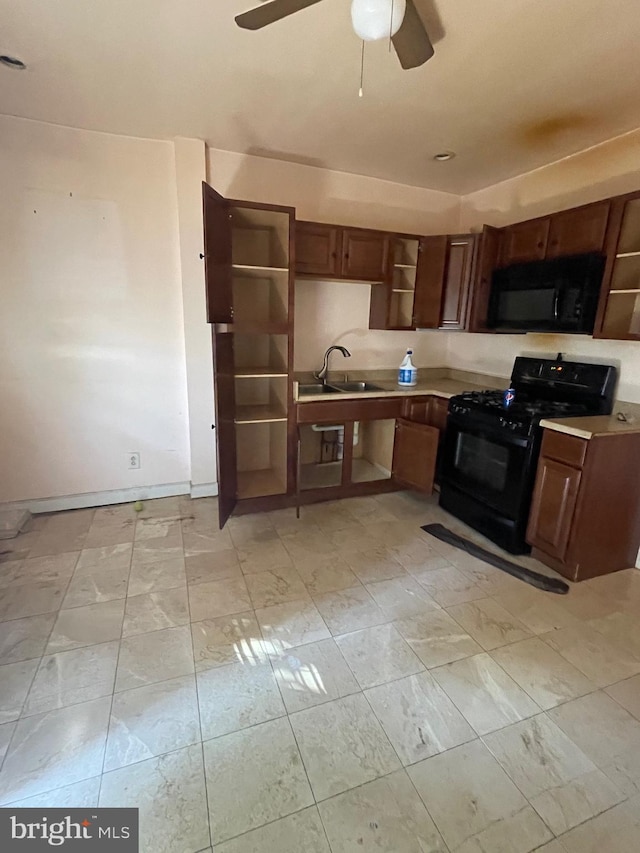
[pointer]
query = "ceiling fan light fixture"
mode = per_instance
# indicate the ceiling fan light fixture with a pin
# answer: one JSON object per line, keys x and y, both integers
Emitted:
{"x": 377, "y": 19}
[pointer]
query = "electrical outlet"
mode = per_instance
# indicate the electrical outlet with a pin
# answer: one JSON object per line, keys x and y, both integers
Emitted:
{"x": 134, "y": 460}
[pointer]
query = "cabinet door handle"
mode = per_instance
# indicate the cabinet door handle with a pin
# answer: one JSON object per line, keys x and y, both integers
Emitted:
{"x": 201, "y": 256}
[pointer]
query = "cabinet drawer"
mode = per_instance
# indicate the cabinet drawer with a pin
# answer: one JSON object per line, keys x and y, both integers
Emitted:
{"x": 565, "y": 448}
{"x": 416, "y": 409}
{"x": 339, "y": 411}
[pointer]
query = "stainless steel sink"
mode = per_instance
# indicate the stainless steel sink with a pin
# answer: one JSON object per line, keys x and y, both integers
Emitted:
{"x": 356, "y": 386}
{"x": 319, "y": 388}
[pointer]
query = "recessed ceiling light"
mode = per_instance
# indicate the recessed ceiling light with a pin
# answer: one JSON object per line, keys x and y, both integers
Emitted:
{"x": 12, "y": 62}
{"x": 443, "y": 156}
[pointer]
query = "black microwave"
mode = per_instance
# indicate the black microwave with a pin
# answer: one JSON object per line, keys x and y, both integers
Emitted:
{"x": 558, "y": 295}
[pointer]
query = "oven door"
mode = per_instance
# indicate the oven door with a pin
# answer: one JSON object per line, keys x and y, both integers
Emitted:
{"x": 490, "y": 465}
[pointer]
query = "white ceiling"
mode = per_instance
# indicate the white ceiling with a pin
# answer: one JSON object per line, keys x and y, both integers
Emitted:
{"x": 514, "y": 84}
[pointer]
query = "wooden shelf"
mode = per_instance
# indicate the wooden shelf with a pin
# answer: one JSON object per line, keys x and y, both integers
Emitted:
{"x": 629, "y": 290}
{"x": 255, "y": 484}
{"x": 405, "y": 266}
{"x": 259, "y": 414}
{"x": 259, "y": 373}
{"x": 628, "y": 255}
{"x": 251, "y": 271}
{"x": 402, "y": 290}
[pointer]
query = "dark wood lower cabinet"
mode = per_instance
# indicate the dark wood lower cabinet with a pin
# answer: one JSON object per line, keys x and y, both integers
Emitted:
{"x": 585, "y": 513}
{"x": 415, "y": 452}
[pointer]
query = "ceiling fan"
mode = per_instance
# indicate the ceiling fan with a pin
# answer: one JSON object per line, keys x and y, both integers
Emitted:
{"x": 372, "y": 19}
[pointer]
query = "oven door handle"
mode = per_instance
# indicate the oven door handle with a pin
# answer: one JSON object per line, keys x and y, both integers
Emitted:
{"x": 556, "y": 303}
{"x": 500, "y": 435}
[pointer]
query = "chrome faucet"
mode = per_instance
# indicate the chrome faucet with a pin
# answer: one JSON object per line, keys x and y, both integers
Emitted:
{"x": 322, "y": 374}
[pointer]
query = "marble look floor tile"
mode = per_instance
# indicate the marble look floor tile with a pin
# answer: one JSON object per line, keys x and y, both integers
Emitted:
{"x": 436, "y": 638}
{"x": 31, "y": 599}
{"x": 105, "y": 535}
{"x": 53, "y": 569}
{"x": 227, "y": 639}
{"x": 358, "y": 539}
{"x": 570, "y": 804}
{"x": 377, "y": 655}
{"x": 599, "y": 726}
{"x": 52, "y": 544}
{"x": 368, "y": 510}
{"x": 106, "y": 558}
{"x": 152, "y": 551}
{"x": 418, "y": 556}
{"x": 615, "y": 831}
{"x": 538, "y": 756}
{"x": 15, "y": 681}
{"x": 484, "y": 693}
{"x": 114, "y": 514}
{"x": 603, "y": 662}
{"x": 342, "y": 745}
{"x": 627, "y": 694}
{"x": 86, "y": 626}
{"x": 79, "y": 795}
{"x": 307, "y": 542}
{"x": 538, "y": 611}
{"x": 331, "y": 516}
{"x": 620, "y": 628}
{"x": 291, "y": 624}
{"x": 584, "y": 603}
{"x": 385, "y": 815}
{"x": 624, "y": 770}
{"x": 55, "y": 749}
{"x": 545, "y": 675}
{"x": 276, "y": 586}
{"x": 95, "y": 585}
{"x": 312, "y": 674}
{"x": 155, "y": 577}
{"x": 237, "y": 696}
{"x": 254, "y": 776}
{"x": 623, "y": 588}
{"x": 419, "y": 718}
{"x": 6, "y": 733}
{"x": 325, "y": 573}
{"x": 157, "y": 528}
{"x": 216, "y": 542}
{"x": 67, "y": 678}
{"x": 349, "y": 610}
{"x": 155, "y": 656}
{"x": 449, "y": 586}
{"x": 155, "y": 610}
{"x": 152, "y": 720}
{"x": 212, "y": 566}
{"x": 23, "y": 639}
{"x": 170, "y": 792}
{"x": 475, "y": 805}
{"x": 374, "y": 564}
{"x": 395, "y": 534}
{"x": 489, "y": 623}
{"x": 400, "y": 597}
{"x": 218, "y": 598}
{"x": 301, "y": 832}
{"x": 262, "y": 557}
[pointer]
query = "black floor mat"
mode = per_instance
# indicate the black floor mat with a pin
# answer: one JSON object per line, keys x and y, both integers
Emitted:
{"x": 527, "y": 575}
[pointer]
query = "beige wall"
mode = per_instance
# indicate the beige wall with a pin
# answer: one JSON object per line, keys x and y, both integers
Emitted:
{"x": 91, "y": 331}
{"x": 609, "y": 169}
{"x": 329, "y": 312}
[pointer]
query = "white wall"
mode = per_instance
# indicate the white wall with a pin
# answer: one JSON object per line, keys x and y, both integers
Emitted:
{"x": 330, "y": 312}
{"x": 609, "y": 169}
{"x": 91, "y": 330}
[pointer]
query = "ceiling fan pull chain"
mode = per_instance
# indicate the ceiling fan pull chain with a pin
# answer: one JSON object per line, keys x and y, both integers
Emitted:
{"x": 361, "y": 70}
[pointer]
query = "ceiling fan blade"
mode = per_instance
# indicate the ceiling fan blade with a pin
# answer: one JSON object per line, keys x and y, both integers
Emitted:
{"x": 411, "y": 42}
{"x": 268, "y": 13}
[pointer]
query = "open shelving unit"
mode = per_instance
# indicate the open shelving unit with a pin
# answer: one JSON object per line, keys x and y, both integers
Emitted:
{"x": 261, "y": 286}
{"x": 622, "y": 311}
{"x": 403, "y": 281}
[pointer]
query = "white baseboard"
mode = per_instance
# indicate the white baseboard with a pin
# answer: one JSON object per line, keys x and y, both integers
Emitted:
{"x": 204, "y": 490}
{"x": 116, "y": 496}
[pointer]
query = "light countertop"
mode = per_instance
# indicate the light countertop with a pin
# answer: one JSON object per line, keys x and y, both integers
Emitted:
{"x": 599, "y": 425}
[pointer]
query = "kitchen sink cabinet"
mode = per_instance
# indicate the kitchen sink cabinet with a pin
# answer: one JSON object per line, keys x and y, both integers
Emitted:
{"x": 336, "y": 252}
{"x": 585, "y": 512}
{"x": 431, "y": 411}
{"x": 415, "y": 452}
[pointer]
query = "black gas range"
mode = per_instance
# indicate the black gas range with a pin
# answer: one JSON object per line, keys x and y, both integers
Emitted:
{"x": 491, "y": 451}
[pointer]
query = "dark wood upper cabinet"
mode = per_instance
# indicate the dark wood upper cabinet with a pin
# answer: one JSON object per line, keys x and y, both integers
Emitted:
{"x": 583, "y": 229}
{"x": 415, "y": 453}
{"x": 455, "y": 299}
{"x": 430, "y": 278}
{"x": 317, "y": 249}
{"x": 337, "y": 252}
{"x": 486, "y": 262}
{"x": 524, "y": 241}
{"x": 364, "y": 254}
{"x": 217, "y": 256}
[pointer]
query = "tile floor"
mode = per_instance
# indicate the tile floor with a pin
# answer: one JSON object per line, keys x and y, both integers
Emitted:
{"x": 342, "y": 682}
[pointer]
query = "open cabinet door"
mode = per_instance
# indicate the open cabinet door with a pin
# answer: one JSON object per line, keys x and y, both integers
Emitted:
{"x": 217, "y": 266}
{"x": 415, "y": 453}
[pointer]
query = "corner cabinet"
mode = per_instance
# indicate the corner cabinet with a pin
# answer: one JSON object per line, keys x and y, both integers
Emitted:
{"x": 336, "y": 252}
{"x": 619, "y": 309}
{"x": 249, "y": 288}
{"x": 585, "y": 512}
